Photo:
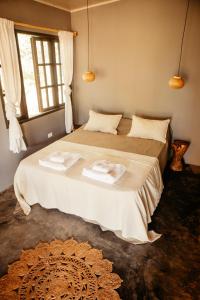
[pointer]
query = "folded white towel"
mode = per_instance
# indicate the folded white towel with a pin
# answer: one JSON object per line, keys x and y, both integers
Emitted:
{"x": 58, "y": 157}
{"x": 52, "y": 165}
{"x": 110, "y": 177}
{"x": 69, "y": 160}
{"x": 103, "y": 166}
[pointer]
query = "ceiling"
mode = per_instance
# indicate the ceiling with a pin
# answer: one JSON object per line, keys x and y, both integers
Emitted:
{"x": 74, "y": 5}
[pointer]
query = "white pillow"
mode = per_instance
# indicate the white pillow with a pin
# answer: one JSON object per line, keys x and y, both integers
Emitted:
{"x": 103, "y": 123}
{"x": 149, "y": 129}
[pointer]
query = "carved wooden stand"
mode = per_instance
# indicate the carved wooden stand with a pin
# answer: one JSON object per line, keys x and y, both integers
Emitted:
{"x": 179, "y": 148}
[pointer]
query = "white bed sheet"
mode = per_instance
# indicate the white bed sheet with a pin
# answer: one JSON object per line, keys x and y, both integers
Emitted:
{"x": 124, "y": 208}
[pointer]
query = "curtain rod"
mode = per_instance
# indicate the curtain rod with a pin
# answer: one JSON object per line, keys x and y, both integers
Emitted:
{"x": 75, "y": 33}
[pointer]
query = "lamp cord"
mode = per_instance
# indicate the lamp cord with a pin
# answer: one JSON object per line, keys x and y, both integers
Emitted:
{"x": 88, "y": 28}
{"x": 183, "y": 35}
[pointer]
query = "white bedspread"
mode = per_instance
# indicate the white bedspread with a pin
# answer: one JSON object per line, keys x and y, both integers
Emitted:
{"x": 125, "y": 207}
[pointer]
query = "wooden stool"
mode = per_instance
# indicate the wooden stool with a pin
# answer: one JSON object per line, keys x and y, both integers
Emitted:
{"x": 179, "y": 148}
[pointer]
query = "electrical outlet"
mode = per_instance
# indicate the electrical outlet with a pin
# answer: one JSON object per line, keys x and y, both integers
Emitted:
{"x": 50, "y": 134}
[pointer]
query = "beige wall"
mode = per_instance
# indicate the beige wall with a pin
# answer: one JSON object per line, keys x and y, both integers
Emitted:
{"x": 31, "y": 12}
{"x": 135, "y": 48}
{"x": 28, "y": 11}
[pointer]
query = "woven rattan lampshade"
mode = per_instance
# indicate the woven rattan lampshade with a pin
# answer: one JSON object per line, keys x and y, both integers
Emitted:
{"x": 176, "y": 82}
{"x": 88, "y": 76}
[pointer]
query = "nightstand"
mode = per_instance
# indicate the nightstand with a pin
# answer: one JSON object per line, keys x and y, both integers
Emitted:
{"x": 179, "y": 149}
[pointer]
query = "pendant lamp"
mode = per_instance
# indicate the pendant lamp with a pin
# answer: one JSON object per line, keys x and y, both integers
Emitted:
{"x": 177, "y": 82}
{"x": 88, "y": 76}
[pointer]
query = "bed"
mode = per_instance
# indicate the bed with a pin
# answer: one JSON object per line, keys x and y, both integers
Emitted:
{"x": 125, "y": 207}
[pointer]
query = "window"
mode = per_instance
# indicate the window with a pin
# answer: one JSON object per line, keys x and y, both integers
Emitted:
{"x": 46, "y": 58}
{"x": 41, "y": 73}
{"x": 41, "y": 69}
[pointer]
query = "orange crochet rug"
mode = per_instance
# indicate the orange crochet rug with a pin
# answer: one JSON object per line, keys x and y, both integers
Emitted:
{"x": 60, "y": 270}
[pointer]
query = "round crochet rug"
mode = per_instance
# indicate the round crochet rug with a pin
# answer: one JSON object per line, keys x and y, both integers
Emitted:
{"x": 58, "y": 271}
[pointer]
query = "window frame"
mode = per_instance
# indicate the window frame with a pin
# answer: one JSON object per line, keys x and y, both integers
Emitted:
{"x": 23, "y": 106}
{"x": 53, "y": 66}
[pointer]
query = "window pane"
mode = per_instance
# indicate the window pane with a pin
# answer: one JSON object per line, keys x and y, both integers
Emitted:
{"x": 48, "y": 74}
{"x": 58, "y": 74}
{"x": 57, "y": 52}
{"x": 46, "y": 52}
{"x": 28, "y": 73}
{"x": 39, "y": 52}
{"x": 44, "y": 98}
{"x": 41, "y": 74}
{"x": 50, "y": 93}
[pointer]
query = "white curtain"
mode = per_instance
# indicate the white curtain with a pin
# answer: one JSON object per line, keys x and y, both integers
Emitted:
{"x": 12, "y": 83}
{"x": 66, "y": 53}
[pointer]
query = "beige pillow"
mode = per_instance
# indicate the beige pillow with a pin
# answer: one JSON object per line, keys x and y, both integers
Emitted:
{"x": 103, "y": 123}
{"x": 149, "y": 129}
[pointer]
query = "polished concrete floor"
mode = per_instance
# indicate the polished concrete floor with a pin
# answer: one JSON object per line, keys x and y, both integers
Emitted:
{"x": 167, "y": 269}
